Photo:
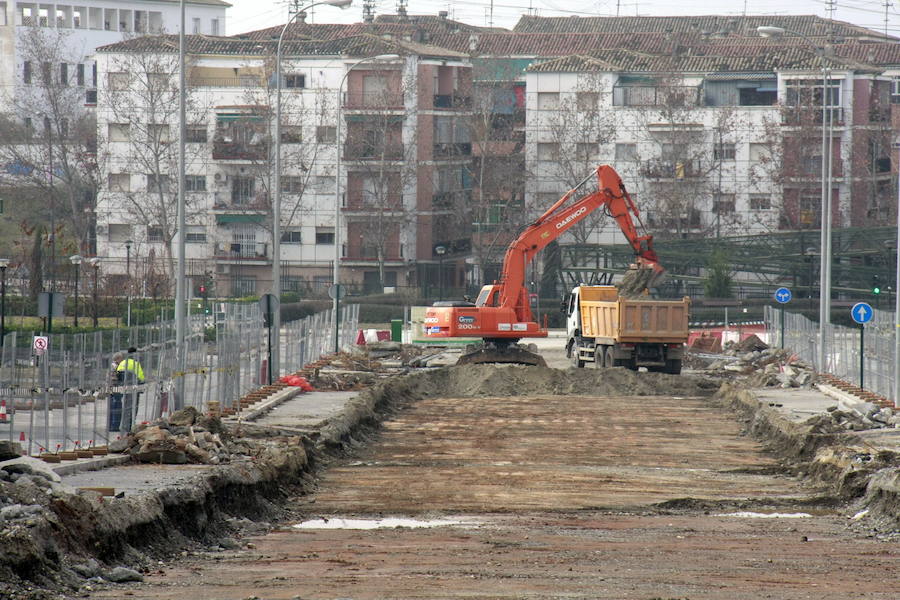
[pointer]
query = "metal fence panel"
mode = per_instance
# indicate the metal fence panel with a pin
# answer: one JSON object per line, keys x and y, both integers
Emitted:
{"x": 68, "y": 398}
{"x": 842, "y": 348}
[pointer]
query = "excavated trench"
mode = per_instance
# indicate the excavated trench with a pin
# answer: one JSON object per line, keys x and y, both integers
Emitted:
{"x": 495, "y": 443}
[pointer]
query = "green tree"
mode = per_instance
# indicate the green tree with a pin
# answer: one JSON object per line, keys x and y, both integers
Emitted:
{"x": 718, "y": 276}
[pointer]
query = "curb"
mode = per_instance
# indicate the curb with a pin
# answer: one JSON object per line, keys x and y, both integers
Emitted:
{"x": 257, "y": 410}
{"x": 90, "y": 464}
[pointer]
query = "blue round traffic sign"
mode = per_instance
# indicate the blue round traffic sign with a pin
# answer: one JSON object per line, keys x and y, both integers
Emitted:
{"x": 862, "y": 312}
{"x": 783, "y": 295}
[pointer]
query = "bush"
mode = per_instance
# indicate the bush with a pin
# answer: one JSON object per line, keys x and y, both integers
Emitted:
{"x": 301, "y": 310}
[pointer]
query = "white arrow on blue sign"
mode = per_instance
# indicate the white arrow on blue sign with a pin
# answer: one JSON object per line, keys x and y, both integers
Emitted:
{"x": 862, "y": 312}
{"x": 783, "y": 295}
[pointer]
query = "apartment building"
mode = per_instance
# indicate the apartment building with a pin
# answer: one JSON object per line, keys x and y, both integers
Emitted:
{"x": 402, "y": 152}
{"x": 85, "y": 26}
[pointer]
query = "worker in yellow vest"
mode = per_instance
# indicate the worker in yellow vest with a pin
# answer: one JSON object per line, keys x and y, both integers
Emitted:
{"x": 132, "y": 375}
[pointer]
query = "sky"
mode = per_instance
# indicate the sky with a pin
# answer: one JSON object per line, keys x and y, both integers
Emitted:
{"x": 247, "y": 15}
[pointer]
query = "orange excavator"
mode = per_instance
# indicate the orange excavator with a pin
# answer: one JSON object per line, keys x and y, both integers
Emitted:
{"x": 501, "y": 315}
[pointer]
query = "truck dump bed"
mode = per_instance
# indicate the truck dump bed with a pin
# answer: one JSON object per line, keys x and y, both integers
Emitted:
{"x": 611, "y": 319}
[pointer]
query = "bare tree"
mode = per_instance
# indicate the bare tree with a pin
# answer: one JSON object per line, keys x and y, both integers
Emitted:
{"x": 495, "y": 211}
{"x": 48, "y": 139}
{"x": 381, "y": 162}
{"x": 140, "y": 138}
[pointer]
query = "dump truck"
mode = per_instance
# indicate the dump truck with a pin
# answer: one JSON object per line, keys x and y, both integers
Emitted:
{"x": 611, "y": 330}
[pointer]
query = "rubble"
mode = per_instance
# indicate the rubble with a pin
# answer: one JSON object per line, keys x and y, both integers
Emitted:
{"x": 761, "y": 365}
{"x": 181, "y": 438}
{"x": 635, "y": 282}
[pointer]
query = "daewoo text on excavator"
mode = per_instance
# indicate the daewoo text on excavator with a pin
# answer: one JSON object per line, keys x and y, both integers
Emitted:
{"x": 501, "y": 315}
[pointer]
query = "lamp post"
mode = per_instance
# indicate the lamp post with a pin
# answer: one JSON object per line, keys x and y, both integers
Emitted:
{"x": 440, "y": 250}
{"x": 128, "y": 244}
{"x": 4, "y": 262}
{"x": 76, "y": 259}
{"x": 825, "y": 242}
{"x": 276, "y": 204}
{"x": 336, "y": 302}
{"x": 95, "y": 262}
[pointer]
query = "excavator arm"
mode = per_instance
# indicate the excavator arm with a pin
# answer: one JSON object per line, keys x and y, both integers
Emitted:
{"x": 610, "y": 193}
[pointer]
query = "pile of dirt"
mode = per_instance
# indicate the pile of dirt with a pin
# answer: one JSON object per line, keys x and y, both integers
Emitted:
{"x": 636, "y": 282}
{"x": 515, "y": 380}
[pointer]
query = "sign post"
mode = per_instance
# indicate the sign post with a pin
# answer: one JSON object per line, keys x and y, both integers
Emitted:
{"x": 268, "y": 303}
{"x": 862, "y": 313}
{"x": 782, "y": 296}
{"x": 336, "y": 293}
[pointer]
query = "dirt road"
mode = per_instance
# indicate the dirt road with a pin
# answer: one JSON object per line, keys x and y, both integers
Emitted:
{"x": 568, "y": 496}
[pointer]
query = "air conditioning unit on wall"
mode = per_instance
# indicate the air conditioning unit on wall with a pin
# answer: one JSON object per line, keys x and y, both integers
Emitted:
{"x": 223, "y": 269}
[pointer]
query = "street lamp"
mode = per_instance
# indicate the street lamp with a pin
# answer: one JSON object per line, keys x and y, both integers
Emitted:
{"x": 276, "y": 205}
{"x": 4, "y": 262}
{"x": 76, "y": 259}
{"x": 336, "y": 302}
{"x": 440, "y": 251}
{"x": 827, "y": 117}
{"x": 95, "y": 262}
{"x": 128, "y": 244}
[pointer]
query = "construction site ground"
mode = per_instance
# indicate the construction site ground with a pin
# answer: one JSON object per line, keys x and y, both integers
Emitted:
{"x": 530, "y": 482}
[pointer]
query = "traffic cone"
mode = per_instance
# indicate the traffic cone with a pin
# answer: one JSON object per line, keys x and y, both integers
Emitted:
{"x": 21, "y": 436}
{"x": 2, "y": 411}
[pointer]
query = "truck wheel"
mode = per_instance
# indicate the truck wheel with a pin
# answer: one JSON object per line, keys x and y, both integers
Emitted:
{"x": 610, "y": 362}
{"x": 599, "y": 356}
{"x": 673, "y": 366}
{"x": 575, "y": 356}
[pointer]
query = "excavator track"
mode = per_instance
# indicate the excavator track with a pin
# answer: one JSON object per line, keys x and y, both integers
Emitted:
{"x": 502, "y": 353}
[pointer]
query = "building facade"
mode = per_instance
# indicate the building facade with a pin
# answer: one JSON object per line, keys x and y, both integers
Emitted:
{"x": 401, "y": 157}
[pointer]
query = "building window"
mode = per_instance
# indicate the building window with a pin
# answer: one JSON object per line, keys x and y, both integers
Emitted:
{"x": 195, "y": 183}
{"x": 26, "y": 72}
{"x": 547, "y": 100}
{"x": 325, "y": 235}
{"x": 63, "y": 74}
{"x": 295, "y": 80}
{"x": 292, "y": 184}
{"x": 585, "y": 151}
{"x": 195, "y": 134}
{"x": 158, "y": 134}
{"x": 326, "y": 134}
{"x": 119, "y": 132}
{"x": 291, "y": 134}
{"x": 291, "y": 237}
{"x": 895, "y": 90}
{"x": 63, "y": 128}
{"x": 243, "y": 286}
{"x": 760, "y": 202}
{"x": 723, "y": 152}
{"x": 90, "y": 97}
{"x": 626, "y": 152}
{"x": 117, "y": 82}
{"x": 548, "y": 151}
{"x": 724, "y": 205}
{"x": 196, "y": 25}
{"x": 119, "y": 182}
{"x": 119, "y": 232}
{"x": 157, "y": 183}
{"x": 292, "y": 284}
{"x": 79, "y": 75}
{"x": 154, "y": 234}
{"x": 214, "y": 27}
{"x": 195, "y": 234}
{"x": 587, "y": 101}
{"x": 242, "y": 190}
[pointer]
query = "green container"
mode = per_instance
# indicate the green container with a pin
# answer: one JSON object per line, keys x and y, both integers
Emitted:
{"x": 396, "y": 330}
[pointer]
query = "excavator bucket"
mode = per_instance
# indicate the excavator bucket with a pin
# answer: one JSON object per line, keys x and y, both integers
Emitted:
{"x": 513, "y": 354}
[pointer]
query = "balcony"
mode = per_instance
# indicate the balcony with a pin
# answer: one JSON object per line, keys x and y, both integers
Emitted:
{"x": 225, "y": 82}
{"x": 452, "y": 150}
{"x": 376, "y": 100}
{"x": 366, "y": 152}
{"x": 669, "y": 169}
{"x": 242, "y": 251}
{"x": 796, "y": 116}
{"x": 223, "y": 150}
{"x": 670, "y": 96}
{"x": 452, "y": 102}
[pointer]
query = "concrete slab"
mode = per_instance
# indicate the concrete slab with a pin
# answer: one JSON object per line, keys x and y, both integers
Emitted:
{"x": 797, "y": 405}
{"x": 307, "y": 410}
{"x": 135, "y": 478}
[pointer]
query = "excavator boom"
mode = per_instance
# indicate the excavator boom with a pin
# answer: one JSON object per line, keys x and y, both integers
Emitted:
{"x": 502, "y": 313}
